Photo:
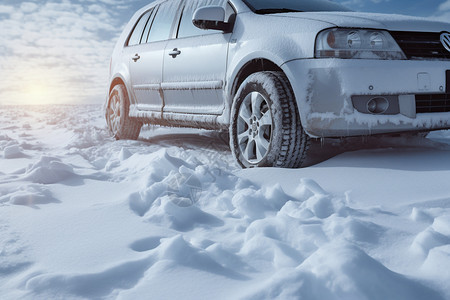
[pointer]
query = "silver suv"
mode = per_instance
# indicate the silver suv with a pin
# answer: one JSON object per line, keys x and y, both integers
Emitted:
{"x": 278, "y": 73}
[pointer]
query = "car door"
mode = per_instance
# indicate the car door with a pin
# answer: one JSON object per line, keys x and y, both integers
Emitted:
{"x": 145, "y": 64}
{"x": 195, "y": 65}
{"x": 146, "y": 57}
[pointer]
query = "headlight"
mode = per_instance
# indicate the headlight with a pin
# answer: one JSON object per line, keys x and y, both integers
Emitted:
{"x": 357, "y": 43}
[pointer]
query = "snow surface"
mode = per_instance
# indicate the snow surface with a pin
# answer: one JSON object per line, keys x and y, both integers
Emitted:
{"x": 171, "y": 216}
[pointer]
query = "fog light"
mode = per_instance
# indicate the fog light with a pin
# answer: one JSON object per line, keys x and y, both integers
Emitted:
{"x": 377, "y": 105}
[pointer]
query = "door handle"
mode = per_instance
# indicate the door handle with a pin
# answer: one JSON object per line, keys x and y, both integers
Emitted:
{"x": 175, "y": 52}
{"x": 136, "y": 57}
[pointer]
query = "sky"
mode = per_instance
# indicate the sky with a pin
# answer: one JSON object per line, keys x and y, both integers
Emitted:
{"x": 58, "y": 51}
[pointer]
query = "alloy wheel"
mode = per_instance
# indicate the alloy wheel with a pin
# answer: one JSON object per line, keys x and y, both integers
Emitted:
{"x": 114, "y": 113}
{"x": 254, "y": 128}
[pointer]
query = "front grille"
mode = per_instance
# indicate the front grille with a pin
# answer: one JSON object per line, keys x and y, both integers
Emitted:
{"x": 421, "y": 45}
{"x": 431, "y": 103}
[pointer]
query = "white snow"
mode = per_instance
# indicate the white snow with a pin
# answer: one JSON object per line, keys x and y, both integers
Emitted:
{"x": 171, "y": 216}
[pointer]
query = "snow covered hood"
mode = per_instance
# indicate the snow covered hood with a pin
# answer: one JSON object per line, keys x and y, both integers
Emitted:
{"x": 373, "y": 20}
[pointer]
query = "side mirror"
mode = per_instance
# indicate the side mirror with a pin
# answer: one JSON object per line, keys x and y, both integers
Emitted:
{"x": 211, "y": 17}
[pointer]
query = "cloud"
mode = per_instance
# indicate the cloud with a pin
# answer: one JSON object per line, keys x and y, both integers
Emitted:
{"x": 6, "y": 10}
{"x": 360, "y": 3}
{"x": 443, "y": 12}
{"x": 58, "y": 51}
{"x": 28, "y": 7}
{"x": 445, "y": 6}
{"x": 351, "y": 3}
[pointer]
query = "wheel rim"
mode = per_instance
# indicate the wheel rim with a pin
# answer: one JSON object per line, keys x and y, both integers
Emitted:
{"x": 114, "y": 114}
{"x": 254, "y": 128}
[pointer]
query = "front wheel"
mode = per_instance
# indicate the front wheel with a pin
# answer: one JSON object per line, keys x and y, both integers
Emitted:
{"x": 117, "y": 115}
{"x": 265, "y": 128}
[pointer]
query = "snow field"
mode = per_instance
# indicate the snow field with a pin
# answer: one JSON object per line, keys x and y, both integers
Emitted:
{"x": 171, "y": 216}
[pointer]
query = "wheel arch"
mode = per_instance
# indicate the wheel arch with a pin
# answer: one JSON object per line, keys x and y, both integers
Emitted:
{"x": 118, "y": 79}
{"x": 251, "y": 66}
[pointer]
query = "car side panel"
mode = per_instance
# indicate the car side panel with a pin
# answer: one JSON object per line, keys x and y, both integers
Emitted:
{"x": 146, "y": 74}
{"x": 193, "y": 80}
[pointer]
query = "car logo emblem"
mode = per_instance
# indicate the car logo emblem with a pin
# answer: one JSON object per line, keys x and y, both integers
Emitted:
{"x": 445, "y": 40}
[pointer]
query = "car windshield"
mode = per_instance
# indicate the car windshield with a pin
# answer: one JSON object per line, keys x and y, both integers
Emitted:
{"x": 283, "y": 6}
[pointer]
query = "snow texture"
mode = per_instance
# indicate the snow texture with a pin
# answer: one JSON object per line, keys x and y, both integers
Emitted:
{"x": 171, "y": 216}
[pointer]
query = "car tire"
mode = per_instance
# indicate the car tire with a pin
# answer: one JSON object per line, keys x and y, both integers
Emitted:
{"x": 265, "y": 129}
{"x": 120, "y": 124}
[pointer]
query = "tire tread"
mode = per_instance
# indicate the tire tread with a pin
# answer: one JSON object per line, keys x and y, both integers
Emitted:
{"x": 295, "y": 142}
{"x": 130, "y": 127}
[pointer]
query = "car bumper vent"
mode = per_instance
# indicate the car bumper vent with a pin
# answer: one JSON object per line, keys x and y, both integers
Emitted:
{"x": 421, "y": 45}
{"x": 431, "y": 103}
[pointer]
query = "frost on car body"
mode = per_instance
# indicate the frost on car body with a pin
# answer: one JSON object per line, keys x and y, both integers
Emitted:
{"x": 343, "y": 73}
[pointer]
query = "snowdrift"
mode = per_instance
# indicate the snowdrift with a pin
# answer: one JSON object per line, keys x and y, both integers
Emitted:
{"x": 171, "y": 216}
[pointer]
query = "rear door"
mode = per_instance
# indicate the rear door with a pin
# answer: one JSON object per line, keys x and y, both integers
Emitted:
{"x": 145, "y": 62}
{"x": 195, "y": 65}
{"x": 147, "y": 54}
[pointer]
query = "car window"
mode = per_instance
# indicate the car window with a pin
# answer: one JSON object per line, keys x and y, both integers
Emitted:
{"x": 186, "y": 27}
{"x": 136, "y": 36}
{"x": 148, "y": 26}
{"x": 280, "y": 6}
{"x": 162, "y": 24}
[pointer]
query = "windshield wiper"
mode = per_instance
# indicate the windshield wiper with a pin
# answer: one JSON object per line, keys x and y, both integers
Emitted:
{"x": 275, "y": 11}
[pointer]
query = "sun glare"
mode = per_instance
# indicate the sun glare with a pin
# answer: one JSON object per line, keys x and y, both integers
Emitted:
{"x": 40, "y": 94}
{"x": 38, "y": 91}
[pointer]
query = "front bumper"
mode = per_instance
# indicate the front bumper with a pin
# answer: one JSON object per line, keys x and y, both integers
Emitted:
{"x": 326, "y": 90}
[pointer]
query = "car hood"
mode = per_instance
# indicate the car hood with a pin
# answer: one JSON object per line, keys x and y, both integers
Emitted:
{"x": 373, "y": 20}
